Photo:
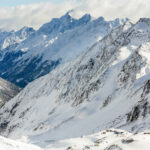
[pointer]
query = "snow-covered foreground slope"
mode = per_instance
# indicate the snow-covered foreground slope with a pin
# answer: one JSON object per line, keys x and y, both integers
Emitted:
{"x": 58, "y": 41}
{"x": 7, "y": 91}
{"x": 111, "y": 139}
{"x": 105, "y": 140}
{"x": 7, "y": 144}
{"x": 107, "y": 86}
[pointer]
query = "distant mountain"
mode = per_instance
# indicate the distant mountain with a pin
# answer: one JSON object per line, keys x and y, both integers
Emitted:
{"x": 26, "y": 54}
{"x": 7, "y": 91}
{"x": 9, "y": 38}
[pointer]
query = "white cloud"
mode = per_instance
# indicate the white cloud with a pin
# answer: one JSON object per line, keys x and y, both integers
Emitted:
{"x": 31, "y": 15}
{"x": 37, "y": 14}
{"x": 111, "y": 9}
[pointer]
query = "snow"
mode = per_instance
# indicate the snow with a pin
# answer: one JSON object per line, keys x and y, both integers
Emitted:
{"x": 105, "y": 140}
{"x": 7, "y": 144}
{"x": 15, "y": 37}
{"x": 64, "y": 35}
{"x": 112, "y": 139}
{"x": 24, "y": 49}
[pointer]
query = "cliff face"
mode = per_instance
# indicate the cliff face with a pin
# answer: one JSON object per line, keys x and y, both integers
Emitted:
{"x": 7, "y": 91}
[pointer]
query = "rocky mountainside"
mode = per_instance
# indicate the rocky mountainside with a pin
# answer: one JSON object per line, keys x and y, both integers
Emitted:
{"x": 7, "y": 91}
{"x": 27, "y": 54}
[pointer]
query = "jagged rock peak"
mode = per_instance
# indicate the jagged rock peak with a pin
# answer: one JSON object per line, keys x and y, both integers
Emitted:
{"x": 26, "y": 29}
{"x": 64, "y": 23}
{"x": 144, "y": 20}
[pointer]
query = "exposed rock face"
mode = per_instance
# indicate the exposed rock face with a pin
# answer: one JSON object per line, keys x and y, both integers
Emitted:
{"x": 7, "y": 91}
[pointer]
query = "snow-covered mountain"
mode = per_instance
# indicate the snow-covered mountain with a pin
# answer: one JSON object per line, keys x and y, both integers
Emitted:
{"x": 105, "y": 87}
{"x": 7, "y": 91}
{"x": 35, "y": 53}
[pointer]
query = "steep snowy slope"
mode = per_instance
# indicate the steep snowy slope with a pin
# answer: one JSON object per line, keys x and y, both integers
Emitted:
{"x": 58, "y": 41}
{"x": 108, "y": 86}
{"x": 7, "y": 91}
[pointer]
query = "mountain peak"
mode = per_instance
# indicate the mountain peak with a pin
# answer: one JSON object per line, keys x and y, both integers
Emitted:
{"x": 63, "y": 24}
{"x": 101, "y": 19}
{"x": 144, "y": 20}
{"x": 66, "y": 17}
{"x": 85, "y": 18}
{"x": 26, "y": 29}
{"x": 143, "y": 23}
{"x": 121, "y": 20}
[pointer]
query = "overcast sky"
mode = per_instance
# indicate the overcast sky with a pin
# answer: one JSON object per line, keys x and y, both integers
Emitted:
{"x": 15, "y": 14}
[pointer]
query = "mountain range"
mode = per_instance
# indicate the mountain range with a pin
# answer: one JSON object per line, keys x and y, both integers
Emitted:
{"x": 26, "y": 55}
{"x": 82, "y": 77}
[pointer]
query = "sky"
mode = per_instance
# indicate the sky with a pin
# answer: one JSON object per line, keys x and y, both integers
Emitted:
{"x": 14, "y": 14}
{"x": 13, "y": 3}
